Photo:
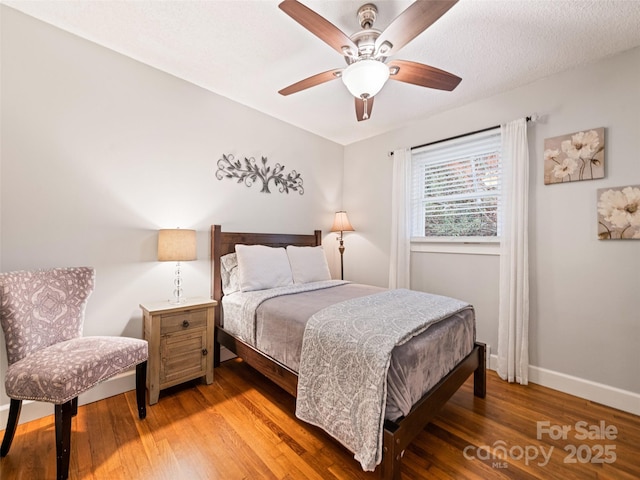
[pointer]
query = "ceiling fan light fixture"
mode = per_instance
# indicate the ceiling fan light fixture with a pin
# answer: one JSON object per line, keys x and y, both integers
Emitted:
{"x": 365, "y": 78}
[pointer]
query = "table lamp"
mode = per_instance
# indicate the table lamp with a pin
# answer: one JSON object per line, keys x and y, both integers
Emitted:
{"x": 177, "y": 245}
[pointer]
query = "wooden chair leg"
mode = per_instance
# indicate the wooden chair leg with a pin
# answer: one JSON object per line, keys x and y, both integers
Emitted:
{"x": 141, "y": 389}
{"x": 74, "y": 406}
{"x": 63, "y": 415}
{"x": 12, "y": 425}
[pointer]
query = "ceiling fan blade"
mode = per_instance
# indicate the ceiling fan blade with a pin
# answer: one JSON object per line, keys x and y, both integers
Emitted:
{"x": 419, "y": 16}
{"x": 319, "y": 26}
{"x": 312, "y": 81}
{"x": 362, "y": 108}
{"x": 422, "y": 75}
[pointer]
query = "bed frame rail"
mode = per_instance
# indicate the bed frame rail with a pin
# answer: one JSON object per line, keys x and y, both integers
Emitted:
{"x": 278, "y": 373}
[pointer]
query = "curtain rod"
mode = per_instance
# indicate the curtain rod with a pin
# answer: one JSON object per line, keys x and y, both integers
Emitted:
{"x": 530, "y": 118}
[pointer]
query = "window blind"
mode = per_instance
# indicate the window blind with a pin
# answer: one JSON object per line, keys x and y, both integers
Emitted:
{"x": 455, "y": 187}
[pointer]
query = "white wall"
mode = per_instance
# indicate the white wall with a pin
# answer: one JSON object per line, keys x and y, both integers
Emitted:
{"x": 99, "y": 151}
{"x": 585, "y": 293}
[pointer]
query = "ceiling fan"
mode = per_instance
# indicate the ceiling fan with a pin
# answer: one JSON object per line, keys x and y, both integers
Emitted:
{"x": 366, "y": 52}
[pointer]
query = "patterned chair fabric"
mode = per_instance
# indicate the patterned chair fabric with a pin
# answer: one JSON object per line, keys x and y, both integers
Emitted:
{"x": 42, "y": 314}
{"x": 43, "y": 307}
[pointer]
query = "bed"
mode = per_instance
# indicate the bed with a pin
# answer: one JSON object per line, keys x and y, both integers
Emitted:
{"x": 281, "y": 366}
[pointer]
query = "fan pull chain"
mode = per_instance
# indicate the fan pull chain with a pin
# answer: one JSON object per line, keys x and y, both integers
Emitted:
{"x": 365, "y": 115}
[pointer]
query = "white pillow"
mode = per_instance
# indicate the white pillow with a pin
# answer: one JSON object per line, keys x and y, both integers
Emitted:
{"x": 308, "y": 264}
{"x": 261, "y": 267}
{"x": 229, "y": 273}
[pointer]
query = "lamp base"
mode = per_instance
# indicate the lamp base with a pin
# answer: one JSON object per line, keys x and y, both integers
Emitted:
{"x": 341, "y": 250}
{"x": 178, "y": 297}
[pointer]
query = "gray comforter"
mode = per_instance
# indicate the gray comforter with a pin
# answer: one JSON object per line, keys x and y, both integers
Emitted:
{"x": 346, "y": 352}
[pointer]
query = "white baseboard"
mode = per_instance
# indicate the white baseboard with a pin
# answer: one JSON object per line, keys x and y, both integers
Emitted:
{"x": 579, "y": 387}
{"x": 596, "y": 392}
{"x": 226, "y": 354}
{"x": 34, "y": 410}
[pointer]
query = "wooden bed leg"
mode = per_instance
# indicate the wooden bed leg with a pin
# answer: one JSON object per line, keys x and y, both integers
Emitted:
{"x": 216, "y": 351}
{"x": 480, "y": 373}
{"x": 391, "y": 458}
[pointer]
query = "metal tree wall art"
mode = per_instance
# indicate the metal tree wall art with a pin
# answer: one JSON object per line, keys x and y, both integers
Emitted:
{"x": 249, "y": 171}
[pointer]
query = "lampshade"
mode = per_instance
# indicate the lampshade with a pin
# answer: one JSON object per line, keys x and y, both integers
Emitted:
{"x": 341, "y": 223}
{"x": 176, "y": 245}
{"x": 365, "y": 78}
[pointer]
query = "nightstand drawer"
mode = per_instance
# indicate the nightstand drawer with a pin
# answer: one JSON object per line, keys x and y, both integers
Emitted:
{"x": 183, "y": 321}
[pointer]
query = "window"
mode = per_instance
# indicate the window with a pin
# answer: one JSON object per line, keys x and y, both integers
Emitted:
{"x": 455, "y": 187}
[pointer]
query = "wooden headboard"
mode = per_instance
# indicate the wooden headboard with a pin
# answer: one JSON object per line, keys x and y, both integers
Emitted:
{"x": 225, "y": 242}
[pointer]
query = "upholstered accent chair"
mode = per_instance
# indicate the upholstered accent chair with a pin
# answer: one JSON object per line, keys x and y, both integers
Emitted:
{"x": 42, "y": 315}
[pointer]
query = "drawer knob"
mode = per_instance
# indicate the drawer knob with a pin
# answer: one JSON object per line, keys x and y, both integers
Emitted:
{"x": 204, "y": 352}
{"x": 185, "y": 324}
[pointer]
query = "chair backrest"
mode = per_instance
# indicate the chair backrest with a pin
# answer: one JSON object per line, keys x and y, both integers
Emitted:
{"x": 40, "y": 308}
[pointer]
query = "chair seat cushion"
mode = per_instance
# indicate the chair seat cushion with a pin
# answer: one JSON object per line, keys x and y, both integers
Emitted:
{"x": 62, "y": 371}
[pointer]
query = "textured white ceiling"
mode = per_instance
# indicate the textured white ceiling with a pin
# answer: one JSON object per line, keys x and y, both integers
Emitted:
{"x": 247, "y": 50}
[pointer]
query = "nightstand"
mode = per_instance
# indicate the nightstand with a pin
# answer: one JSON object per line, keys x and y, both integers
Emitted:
{"x": 180, "y": 343}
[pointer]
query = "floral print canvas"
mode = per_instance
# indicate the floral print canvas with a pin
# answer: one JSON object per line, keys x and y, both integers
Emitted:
{"x": 573, "y": 157}
{"x": 619, "y": 213}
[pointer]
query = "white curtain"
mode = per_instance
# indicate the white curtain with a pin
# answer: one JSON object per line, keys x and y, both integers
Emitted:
{"x": 513, "y": 319}
{"x": 399, "y": 273}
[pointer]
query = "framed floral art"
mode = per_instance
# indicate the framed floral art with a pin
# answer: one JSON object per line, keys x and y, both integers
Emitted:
{"x": 619, "y": 213}
{"x": 574, "y": 157}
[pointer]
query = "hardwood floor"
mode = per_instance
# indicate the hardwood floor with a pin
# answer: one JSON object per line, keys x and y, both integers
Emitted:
{"x": 243, "y": 427}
